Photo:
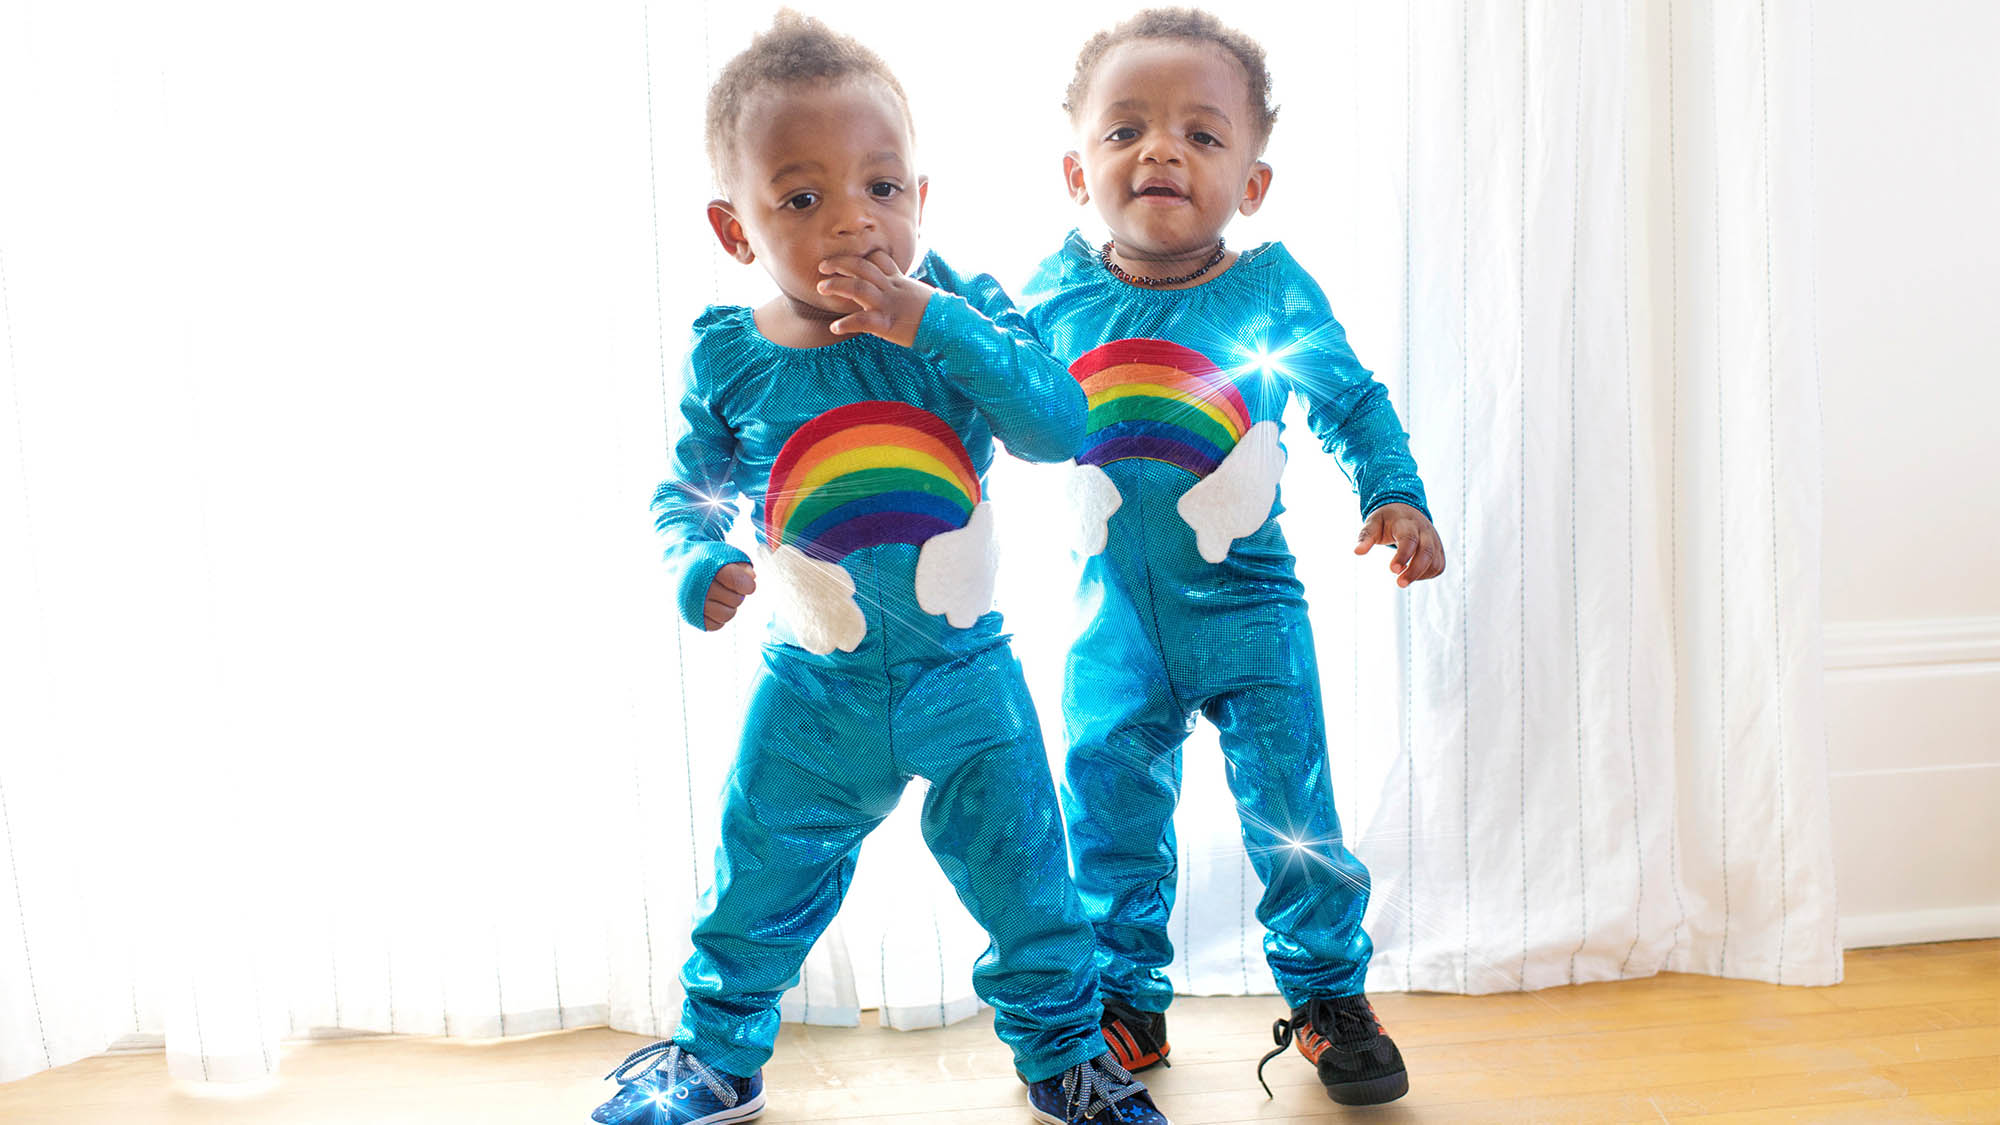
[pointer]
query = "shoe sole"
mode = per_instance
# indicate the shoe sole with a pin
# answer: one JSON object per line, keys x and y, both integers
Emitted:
{"x": 744, "y": 1112}
{"x": 1373, "y": 1091}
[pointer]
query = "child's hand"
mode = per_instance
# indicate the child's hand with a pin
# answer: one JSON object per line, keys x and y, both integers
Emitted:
{"x": 891, "y": 304}
{"x": 1419, "y": 551}
{"x": 732, "y": 584}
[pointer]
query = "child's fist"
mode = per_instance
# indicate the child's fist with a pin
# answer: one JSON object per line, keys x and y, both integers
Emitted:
{"x": 1419, "y": 551}
{"x": 732, "y": 584}
{"x": 892, "y": 304}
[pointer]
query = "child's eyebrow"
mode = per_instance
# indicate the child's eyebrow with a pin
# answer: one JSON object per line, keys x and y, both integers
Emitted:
{"x": 886, "y": 156}
{"x": 1141, "y": 105}
{"x": 797, "y": 166}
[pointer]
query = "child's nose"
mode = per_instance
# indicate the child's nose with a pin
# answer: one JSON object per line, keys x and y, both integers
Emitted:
{"x": 1160, "y": 150}
{"x": 854, "y": 216}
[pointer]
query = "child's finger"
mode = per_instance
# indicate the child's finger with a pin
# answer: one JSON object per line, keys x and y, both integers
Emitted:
{"x": 1371, "y": 534}
{"x": 1406, "y": 552}
{"x": 715, "y": 615}
{"x": 738, "y": 577}
{"x": 868, "y": 267}
{"x": 885, "y": 263}
{"x": 1419, "y": 568}
{"x": 860, "y": 292}
{"x": 868, "y": 320}
{"x": 859, "y": 268}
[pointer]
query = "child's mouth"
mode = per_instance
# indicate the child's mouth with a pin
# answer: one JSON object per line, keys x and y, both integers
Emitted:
{"x": 1154, "y": 189}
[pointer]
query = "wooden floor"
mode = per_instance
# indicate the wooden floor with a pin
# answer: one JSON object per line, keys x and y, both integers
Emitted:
{"x": 1912, "y": 1035}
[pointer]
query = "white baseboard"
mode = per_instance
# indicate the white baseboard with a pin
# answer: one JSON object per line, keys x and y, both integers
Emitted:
{"x": 1958, "y": 923}
{"x": 1893, "y": 644}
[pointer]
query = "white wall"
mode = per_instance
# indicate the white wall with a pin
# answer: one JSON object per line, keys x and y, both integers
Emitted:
{"x": 1908, "y": 107}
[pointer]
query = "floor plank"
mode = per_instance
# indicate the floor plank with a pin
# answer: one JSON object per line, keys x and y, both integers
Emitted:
{"x": 1913, "y": 1034}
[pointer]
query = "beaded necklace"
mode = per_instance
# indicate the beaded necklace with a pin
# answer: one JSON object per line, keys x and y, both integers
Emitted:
{"x": 1104, "y": 256}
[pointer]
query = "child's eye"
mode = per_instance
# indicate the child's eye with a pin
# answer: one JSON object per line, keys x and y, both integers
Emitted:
{"x": 883, "y": 189}
{"x": 1202, "y": 138}
{"x": 802, "y": 201}
{"x": 1123, "y": 133}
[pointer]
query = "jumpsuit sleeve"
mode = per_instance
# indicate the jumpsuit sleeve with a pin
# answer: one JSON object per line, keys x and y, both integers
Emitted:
{"x": 695, "y": 505}
{"x": 1349, "y": 411}
{"x": 985, "y": 345}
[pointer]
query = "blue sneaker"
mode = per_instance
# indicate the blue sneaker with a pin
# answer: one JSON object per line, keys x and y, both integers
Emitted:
{"x": 665, "y": 1085}
{"x": 1098, "y": 1091}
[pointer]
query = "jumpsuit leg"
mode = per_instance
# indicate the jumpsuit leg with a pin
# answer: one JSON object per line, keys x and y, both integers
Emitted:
{"x": 800, "y": 798}
{"x": 1121, "y": 783}
{"x": 992, "y": 822}
{"x": 1273, "y": 738}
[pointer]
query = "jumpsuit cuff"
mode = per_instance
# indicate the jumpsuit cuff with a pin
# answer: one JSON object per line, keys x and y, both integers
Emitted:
{"x": 698, "y": 571}
{"x": 1084, "y": 1050}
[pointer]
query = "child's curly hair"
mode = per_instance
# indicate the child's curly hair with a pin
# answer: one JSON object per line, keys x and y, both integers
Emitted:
{"x": 1190, "y": 24}
{"x": 795, "y": 49}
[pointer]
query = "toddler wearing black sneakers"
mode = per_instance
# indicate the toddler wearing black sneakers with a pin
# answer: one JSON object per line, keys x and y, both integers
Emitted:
{"x": 1187, "y": 351}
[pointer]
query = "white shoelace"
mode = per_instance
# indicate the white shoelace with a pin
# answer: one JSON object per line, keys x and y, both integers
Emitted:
{"x": 1094, "y": 1086}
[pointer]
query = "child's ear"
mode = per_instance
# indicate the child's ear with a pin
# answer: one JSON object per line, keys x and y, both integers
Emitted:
{"x": 1073, "y": 178}
{"x": 729, "y": 231}
{"x": 923, "y": 194}
{"x": 1256, "y": 189}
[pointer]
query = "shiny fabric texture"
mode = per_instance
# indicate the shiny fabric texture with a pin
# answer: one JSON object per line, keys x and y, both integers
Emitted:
{"x": 1167, "y": 634}
{"x": 830, "y": 741}
{"x": 974, "y": 366}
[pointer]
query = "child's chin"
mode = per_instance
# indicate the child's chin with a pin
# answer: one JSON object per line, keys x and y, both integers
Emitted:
{"x": 1162, "y": 244}
{"x": 1164, "y": 237}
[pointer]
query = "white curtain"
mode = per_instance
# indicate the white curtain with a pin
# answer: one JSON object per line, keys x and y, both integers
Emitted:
{"x": 340, "y": 691}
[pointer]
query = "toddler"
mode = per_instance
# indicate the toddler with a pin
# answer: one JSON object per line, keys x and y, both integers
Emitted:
{"x": 857, "y": 412}
{"x": 1187, "y": 350}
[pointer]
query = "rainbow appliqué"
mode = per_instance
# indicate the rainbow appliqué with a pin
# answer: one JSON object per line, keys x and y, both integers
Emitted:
{"x": 865, "y": 474}
{"x": 1159, "y": 401}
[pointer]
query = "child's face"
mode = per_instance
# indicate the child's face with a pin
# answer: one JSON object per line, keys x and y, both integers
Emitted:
{"x": 821, "y": 170}
{"x": 1167, "y": 146}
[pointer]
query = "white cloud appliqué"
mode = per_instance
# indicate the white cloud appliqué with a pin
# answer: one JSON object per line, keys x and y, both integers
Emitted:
{"x": 956, "y": 570}
{"x": 1235, "y": 499}
{"x": 1093, "y": 498}
{"x": 814, "y": 599}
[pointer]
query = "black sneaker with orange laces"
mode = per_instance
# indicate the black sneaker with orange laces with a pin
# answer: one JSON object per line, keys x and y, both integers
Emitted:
{"x": 1357, "y": 1061}
{"x": 1138, "y": 1040}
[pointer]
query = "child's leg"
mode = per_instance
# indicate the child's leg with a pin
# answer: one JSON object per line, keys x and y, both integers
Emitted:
{"x": 1315, "y": 891}
{"x": 804, "y": 791}
{"x": 992, "y": 821}
{"x": 1121, "y": 782}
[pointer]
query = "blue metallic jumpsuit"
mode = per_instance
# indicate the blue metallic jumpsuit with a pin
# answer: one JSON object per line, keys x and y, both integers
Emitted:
{"x": 1168, "y": 633}
{"x": 830, "y": 741}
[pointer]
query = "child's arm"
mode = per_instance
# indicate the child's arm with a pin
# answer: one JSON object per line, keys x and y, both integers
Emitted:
{"x": 693, "y": 509}
{"x": 1357, "y": 423}
{"x": 973, "y": 331}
